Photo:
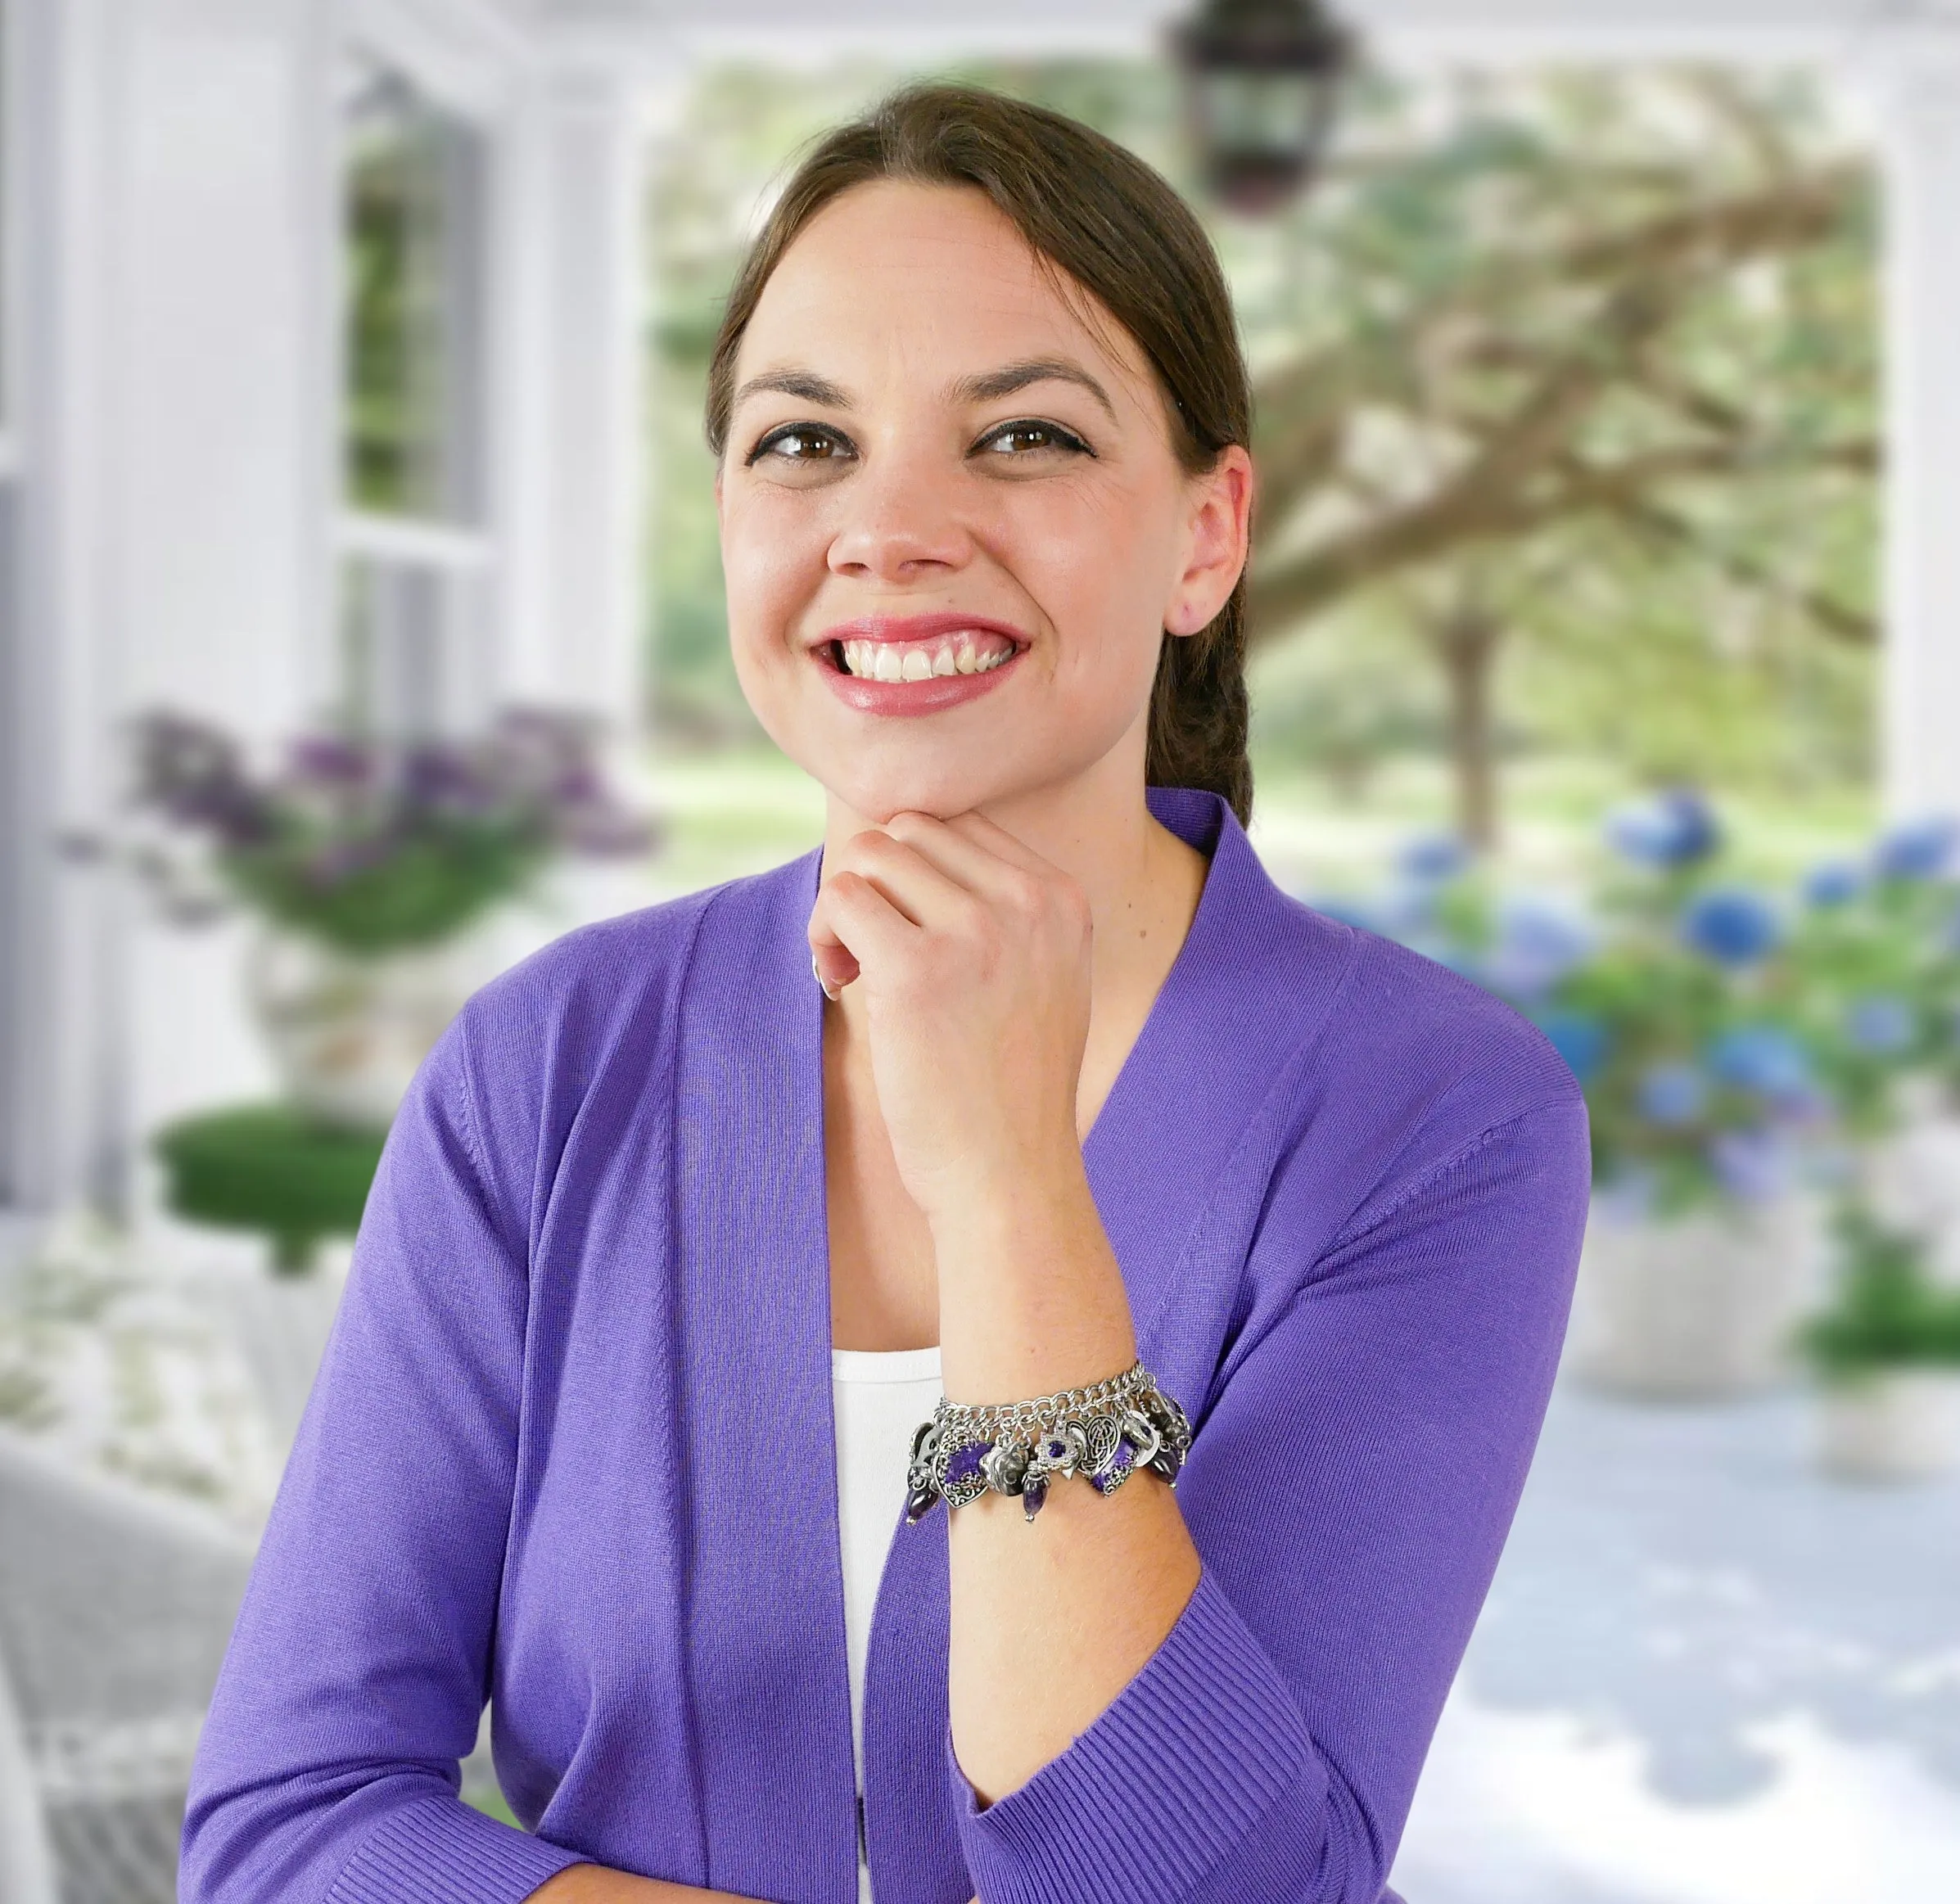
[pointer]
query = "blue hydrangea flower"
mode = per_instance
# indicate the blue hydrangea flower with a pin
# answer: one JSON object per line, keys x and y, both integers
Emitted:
{"x": 1835, "y": 882}
{"x": 1762, "y": 1058}
{"x": 1732, "y": 925}
{"x": 1674, "y": 828}
{"x": 1919, "y": 850}
{"x": 1537, "y": 943}
{"x": 1405, "y": 912}
{"x": 1880, "y": 1024}
{"x": 1578, "y": 1038}
{"x": 1752, "y": 1164}
{"x": 1671, "y": 1094}
{"x": 1433, "y": 858}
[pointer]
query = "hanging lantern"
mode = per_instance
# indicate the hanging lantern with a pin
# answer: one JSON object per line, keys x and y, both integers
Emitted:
{"x": 1263, "y": 78}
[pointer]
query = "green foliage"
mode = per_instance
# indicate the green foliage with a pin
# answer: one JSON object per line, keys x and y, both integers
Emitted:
{"x": 440, "y": 876}
{"x": 1887, "y": 1313}
{"x": 1396, "y": 317}
{"x": 371, "y": 845}
{"x": 404, "y": 339}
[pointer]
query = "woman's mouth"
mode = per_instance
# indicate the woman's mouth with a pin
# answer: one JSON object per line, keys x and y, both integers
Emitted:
{"x": 887, "y": 673}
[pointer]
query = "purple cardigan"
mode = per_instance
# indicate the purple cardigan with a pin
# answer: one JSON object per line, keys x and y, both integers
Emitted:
{"x": 570, "y": 1449}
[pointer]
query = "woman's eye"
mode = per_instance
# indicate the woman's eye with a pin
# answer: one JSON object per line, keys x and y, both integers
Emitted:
{"x": 1024, "y": 438}
{"x": 802, "y": 444}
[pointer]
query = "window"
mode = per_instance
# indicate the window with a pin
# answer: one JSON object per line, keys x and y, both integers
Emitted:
{"x": 415, "y": 606}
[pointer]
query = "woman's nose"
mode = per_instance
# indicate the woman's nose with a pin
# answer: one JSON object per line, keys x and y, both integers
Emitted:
{"x": 902, "y": 521}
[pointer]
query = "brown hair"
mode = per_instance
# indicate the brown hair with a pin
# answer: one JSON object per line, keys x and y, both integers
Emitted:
{"x": 1119, "y": 230}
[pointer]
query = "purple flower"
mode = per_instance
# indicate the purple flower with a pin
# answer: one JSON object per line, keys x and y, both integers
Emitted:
{"x": 1675, "y": 828}
{"x": 195, "y": 774}
{"x": 1537, "y": 943}
{"x": 1880, "y": 1024}
{"x": 1919, "y": 850}
{"x": 1764, "y": 1059}
{"x": 1752, "y": 1164}
{"x": 1434, "y": 858}
{"x": 1671, "y": 1094}
{"x": 328, "y": 760}
{"x": 1834, "y": 883}
{"x": 1731, "y": 924}
{"x": 603, "y": 830}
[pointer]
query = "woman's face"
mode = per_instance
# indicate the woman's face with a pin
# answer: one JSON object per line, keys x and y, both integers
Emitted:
{"x": 936, "y": 459}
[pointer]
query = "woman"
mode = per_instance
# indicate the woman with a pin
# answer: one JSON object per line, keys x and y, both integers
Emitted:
{"x": 1081, "y": 1093}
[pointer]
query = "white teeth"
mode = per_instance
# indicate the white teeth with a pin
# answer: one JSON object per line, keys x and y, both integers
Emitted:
{"x": 883, "y": 662}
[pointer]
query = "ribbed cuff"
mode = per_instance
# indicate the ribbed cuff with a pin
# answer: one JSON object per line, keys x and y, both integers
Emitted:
{"x": 1165, "y": 1781}
{"x": 440, "y": 1851}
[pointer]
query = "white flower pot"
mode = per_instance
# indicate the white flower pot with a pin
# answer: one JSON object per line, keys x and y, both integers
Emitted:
{"x": 347, "y": 1033}
{"x": 1912, "y": 1174}
{"x": 1892, "y": 1424}
{"x": 1696, "y": 1307}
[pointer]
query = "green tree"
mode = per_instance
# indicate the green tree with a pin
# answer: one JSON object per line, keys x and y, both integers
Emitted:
{"x": 1565, "y": 409}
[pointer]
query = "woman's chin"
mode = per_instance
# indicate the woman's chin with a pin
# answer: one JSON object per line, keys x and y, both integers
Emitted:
{"x": 938, "y": 794}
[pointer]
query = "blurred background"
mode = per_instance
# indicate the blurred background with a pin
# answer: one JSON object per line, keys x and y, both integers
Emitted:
{"x": 361, "y": 631}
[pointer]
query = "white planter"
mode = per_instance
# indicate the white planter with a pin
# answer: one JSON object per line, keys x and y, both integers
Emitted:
{"x": 346, "y": 1033}
{"x": 1912, "y": 1176}
{"x": 1894, "y": 1424}
{"x": 1697, "y": 1307}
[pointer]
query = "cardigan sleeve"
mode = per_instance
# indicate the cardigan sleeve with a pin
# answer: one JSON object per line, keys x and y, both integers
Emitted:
{"x": 1348, "y": 1493}
{"x": 356, "y": 1676}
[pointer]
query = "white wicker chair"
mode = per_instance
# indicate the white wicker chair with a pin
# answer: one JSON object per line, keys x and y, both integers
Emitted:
{"x": 115, "y": 1606}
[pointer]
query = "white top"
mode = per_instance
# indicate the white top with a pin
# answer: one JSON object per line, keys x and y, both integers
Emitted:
{"x": 881, "y": 1397}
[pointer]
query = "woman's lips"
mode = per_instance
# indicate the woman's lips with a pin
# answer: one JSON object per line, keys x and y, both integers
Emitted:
{"x": 870, "y": 695}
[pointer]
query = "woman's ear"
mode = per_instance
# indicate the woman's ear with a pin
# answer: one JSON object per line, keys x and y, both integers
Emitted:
{"x": 1218, "y": 539}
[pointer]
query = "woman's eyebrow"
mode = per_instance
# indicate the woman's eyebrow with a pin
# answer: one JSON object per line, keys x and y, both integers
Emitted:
{"x": 806, "y": 384}
{"x": 992, "y": 384}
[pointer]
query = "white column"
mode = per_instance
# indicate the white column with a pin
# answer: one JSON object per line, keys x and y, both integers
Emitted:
{"x": 71, "y": 59}
{"x": 170, "y": 440}
{"x": 1916, "y": 100}
{"x": 571, "y": 496}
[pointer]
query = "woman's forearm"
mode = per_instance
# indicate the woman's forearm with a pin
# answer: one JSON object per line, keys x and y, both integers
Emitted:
{"x": 601, "y": 1885}
{"x": 597, "y": 1884}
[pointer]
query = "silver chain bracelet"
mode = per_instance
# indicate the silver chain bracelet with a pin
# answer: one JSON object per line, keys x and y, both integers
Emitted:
{"x": 1104, "y": 1432}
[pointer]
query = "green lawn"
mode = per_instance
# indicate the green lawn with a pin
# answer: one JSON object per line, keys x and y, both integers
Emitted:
{"x": 741, "y": 811}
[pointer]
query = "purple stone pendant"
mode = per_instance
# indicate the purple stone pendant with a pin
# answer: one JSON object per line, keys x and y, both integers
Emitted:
{"x": 1034, "y": 1491}
{"x": 1107, "y": 1483}
{"x": 965, "y": 1480}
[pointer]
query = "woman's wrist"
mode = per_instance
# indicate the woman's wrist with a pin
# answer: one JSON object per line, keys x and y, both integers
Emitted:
{"x": 590, "y": 1883}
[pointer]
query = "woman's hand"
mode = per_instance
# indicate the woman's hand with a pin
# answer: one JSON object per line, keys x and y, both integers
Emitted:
{"x": 972, "y": 954}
